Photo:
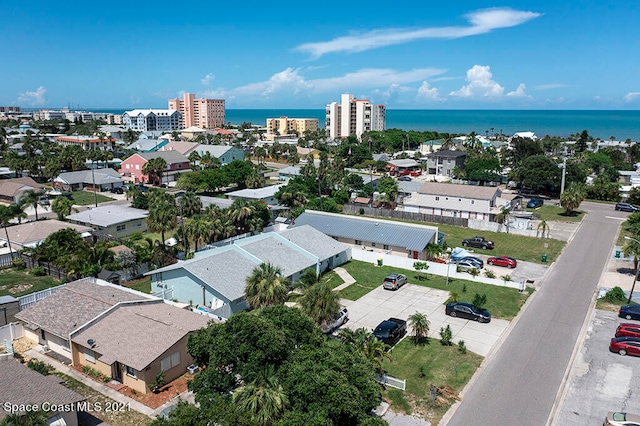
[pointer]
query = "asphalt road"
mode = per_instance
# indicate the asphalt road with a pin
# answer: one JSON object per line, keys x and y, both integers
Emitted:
{"x": 521, "y": 380}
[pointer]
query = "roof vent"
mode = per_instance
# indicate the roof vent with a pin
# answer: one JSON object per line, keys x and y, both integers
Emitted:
{"x": 91, "y": 343}
{"x": 377, "y": 224}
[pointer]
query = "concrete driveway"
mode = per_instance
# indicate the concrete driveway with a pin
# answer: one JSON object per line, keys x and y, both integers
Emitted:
{"x": 379, "y": 304}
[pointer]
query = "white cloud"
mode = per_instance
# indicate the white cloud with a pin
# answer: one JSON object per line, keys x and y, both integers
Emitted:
{"x": 482, "y": 21}
{"x": 288, "y": 80}
{"x": 481, "y": 84}
{"x": 213, "y": 94}
{"x": 519, "y": 92}
{"x": 429, "y": 93}
{"x": 33, "y": 98}
{"x": 550, "y": 86}
{"x": 207, "y": 79}
{"x": 631, "y": 96}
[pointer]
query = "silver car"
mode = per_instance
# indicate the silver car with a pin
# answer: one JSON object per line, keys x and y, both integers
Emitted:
{"x": 340, "y": 318}
{"x": 394, "y": 281}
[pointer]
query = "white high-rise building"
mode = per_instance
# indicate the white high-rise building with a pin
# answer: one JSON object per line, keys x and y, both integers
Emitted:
{"x": 148, "y": 120}
{"x": 353, "y": 117}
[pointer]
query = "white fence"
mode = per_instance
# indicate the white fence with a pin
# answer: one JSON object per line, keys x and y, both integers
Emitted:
{"x": 434, "y": 268}
{"x": 164, "y": 294}
{"x": 515, "y": 227}
{"x": 11, "y": 331}
{"x": 391, "y": 381}
{"x": 30, "y": 299}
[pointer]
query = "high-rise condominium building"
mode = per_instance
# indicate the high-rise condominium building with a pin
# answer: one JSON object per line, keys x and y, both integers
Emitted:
{"x": 148, "y": 120}
{"x": 353, "y": 117}
{"x": 286, "y": 125}
{"x": 203, "y": 113}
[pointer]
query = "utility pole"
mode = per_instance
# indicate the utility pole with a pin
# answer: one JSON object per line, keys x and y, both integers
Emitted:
{"x": 564, "y": 170}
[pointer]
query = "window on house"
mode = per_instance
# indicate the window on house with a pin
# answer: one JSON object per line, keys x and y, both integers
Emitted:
{"x": 437, "y": 198}
{"x": 373, "y": 244}
{"x": 121, "y": 227}
{"x": 170, "y": 361}
{"x": 130, "y": 371}
{"x": 358, "y": 242}
{"x": 65, "y": 345}
{"x": 473, "y": 201}
{"x": 89, "y": 355}
{"x": 459, "y": 199}
{"x": 137, "y": 166}
{"x": 386, "y": 246}
{"x": 128, "y": 166}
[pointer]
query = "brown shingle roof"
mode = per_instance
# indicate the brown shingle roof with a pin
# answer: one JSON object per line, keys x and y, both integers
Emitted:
{"x": 22, "y": 385}
{"x": 137, "y": 334}
{"x": 463, "y": 191}
{"x": 12, "y": 187}
{"x": 74, "y": 305}
{"x": 31, "y": 232}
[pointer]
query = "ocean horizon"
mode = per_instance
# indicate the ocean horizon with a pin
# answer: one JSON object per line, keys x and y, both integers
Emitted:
{"x": 603, "y": 124}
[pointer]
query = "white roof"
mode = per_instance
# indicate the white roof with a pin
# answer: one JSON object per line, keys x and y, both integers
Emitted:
{"x": 256, "y": 194}
{"x": 108, "y": 215}
{"x": 529, "y": 135}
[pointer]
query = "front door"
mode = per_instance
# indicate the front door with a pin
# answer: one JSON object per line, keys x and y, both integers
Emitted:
{"x": 116, "y": 371}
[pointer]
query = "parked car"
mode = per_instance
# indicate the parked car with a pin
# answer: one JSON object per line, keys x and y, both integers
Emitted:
{"x": 478, "y": 242}
{"x": 44, "y": 200}
{"x": 340, "y": 318}
{"x": 142, "y": 187}
{"x": 630, "y": 312}
{"x": 394, "y": 281}
{"x": 467, "y": 311}
{"x": 404, "y": 178}
{"x": 391, "y": 331}
{"x": 67, "y": 196}
{"x": 479, "y": 262}
{"x": 625, "y": 345}
{"x": 117, "y": 190}
{"x": 506, "y": 261}
{"x": 628, "y": 329}
{"x": 465, "y": 265}
{"x": 615, "y": 418}
{"x": 627, "y": 207}
{"x": 535, "y": 202}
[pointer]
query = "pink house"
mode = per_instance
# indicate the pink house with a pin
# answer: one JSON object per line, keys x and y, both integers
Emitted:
{"x": 132, "y": 167}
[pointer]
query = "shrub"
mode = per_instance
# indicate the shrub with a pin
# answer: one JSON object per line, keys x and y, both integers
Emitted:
{"x": 506, "y": 278}
{"x": 41, "y": 367}
{"x": 462, "y": 348}
{"x": 158, "y": 382}
{"x": 615, "y": 295}
{"x": 38, "y": 271}
{"x": 446, "y": 335}
{"x": 489, "y": 274}
{"x": 18, "y": 262}
{"x": 479, "y": 300}
{"x": 453, "y": 297}
{"x": 18, "y": 357}
{"x": 474, "y": 272}
{"x": 464, "y": 287}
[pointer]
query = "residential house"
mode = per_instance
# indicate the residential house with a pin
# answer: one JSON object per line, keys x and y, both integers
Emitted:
{"x": 465, "y": 201}
{"x": 192, "y": 132}
{"x": 402, "y": 167}
{"x": 176, "y": 163}
{"x": 148, "y": 144}
{"x": 134, "y": 341}
{"x": 216, "y": 278}
{"x": 184, "y": 148}
{"x": 31, "y": 234}
{"x": 12, "y": 189}
{"x": 23, "y": 387}
{"x": 100, "y": 179}
{"x": 266, "y": 194}
{"x": 225, "y": 154}
{"x": 88, "y": 142}
{"x": 9, "y": 307}
{"x": 288, "y": 173}
{"x": 112, "y": 219}
{"x": 443, "y": 162}
{"x": 373, "y": 234}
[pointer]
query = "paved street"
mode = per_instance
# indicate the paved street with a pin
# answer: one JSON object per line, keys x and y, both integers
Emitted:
{"x": 521, "y": 380}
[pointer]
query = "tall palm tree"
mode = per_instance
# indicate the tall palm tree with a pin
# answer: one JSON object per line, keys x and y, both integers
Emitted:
{"x": 263, "y": 399}
{"x": 632, "y": 248}
{"x": 31, "y": 197}
{"x": 503, "y": 218}
{"x": 320, "y": 303}
{"x": 266, "y": 286}
{"x": 571, "y": 198}
{"x": 420, "y": 325}
{"x": 6, "y": 215}
{"x": 162, "y": 213}
{"x": 198, "y": 228}
{"x": 240, "y": 212}
{"x": 190, "y": 204}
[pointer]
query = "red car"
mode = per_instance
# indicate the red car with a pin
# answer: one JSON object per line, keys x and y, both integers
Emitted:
{"x": 627, "y": 329}
{"x": 625, "y": 345}
{"x": 506, "y": 261}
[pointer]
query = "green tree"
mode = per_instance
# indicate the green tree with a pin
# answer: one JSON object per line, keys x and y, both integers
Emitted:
{"x": 503, "y": 218}
{"x": 154, "y": 169}
{"x": 420, "y": 325}
{"x": 571, "y": 198}
{"x": 266, "y": 286}
{"x": 31, "y": 197}
{"x": 263, "y": 398}
{"x": 419, "y": 267}
{"x": 320, "y": 303}
{"x": 582, "y": 142}
{"x": 162, "y": 213}
{"x": 538, "y": 172}
{"x": 6, "y": 215}
{"x": 190, "y": 204}
{"x": 632, "y": 248}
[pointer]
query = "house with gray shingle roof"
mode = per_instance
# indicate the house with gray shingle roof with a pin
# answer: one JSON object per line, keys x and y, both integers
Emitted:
{"x": 112, "y": 219}
{"x": 22, "y": 386}
{"x": 102, "y": 179}
{"x": 216, "y": 278}
{"x": 134, "y": 341}
{"x": 395, "y": 237}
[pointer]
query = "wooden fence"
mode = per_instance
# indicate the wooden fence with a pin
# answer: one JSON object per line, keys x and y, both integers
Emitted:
{"x": 395, "y": 214}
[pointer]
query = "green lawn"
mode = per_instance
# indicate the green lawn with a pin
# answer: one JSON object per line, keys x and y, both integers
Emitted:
{"x": 85, "y": 198}
{"x": 18, "y": 283}
{"x": 425, "y": 365}
{"x": 502, "y": 302}
{"x": 332, "y": 279}
{"x": 143, "y": 285}
{"x": 552, "y": 213}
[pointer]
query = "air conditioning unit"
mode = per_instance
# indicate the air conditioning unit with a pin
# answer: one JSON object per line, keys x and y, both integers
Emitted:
{"x": 192, "y": 369}
{"x": 45, "y": 348}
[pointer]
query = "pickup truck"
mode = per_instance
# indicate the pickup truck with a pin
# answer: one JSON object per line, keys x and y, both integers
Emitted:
{"x": 478, "y": 242}
{"x": 391, "y": 331}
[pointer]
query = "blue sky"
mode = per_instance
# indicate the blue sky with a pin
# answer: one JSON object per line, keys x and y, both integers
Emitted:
{"x": 408, "y": 55}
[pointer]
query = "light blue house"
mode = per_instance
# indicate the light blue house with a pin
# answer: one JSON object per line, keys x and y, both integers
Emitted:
{"x": 225, "y": 154}
{"x": 216, "y": 278}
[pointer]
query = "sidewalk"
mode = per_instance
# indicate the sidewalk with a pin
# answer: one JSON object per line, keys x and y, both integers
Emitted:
{"x": 346, "y": 277}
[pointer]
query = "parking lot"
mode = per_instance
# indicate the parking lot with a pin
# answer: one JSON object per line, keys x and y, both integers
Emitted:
{"x": 600, "y": 381}
{"x": 379, "y": 304}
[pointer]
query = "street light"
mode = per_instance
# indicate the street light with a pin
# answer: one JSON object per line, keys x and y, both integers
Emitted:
{"x": 635, "y": 273}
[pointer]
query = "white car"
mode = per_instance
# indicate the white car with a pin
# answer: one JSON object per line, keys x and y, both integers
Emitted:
{"x": 621, "y": 419}
{"x": 341, "y": 317}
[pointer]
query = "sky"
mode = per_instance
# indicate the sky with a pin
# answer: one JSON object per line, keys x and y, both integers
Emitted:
{"x": 543, "y": 54}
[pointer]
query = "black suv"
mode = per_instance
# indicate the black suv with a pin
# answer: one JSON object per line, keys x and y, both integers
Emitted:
{"x": 627, "y": 207}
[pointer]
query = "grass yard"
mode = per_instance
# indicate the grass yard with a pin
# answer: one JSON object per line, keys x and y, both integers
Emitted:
{"x": 502, "y": 302}
{"x": 425, "y": 365}
{"x": 552, "y": 213}
{"x": 332, "y": 279}
{"x": 143, "y": 285}
{"x": 116, "y": 417}
{"x": 85, "y": 198}
{"x": 17, "y": 283}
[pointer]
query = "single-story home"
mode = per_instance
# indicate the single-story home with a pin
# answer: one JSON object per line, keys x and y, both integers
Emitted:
{"x": 266, "y": 194}
{"x": 12, "y": 189}
{"x": 402, "y": 167}
{"x": 288, "y": 173}
{"x": 112, "y": 219}
{"x": 23, "y": 387}
{"x": 465, "y": 201}
{"x": 216, "y": 278}
{"x": 134, "y": 341}
{"x": 101, "y": 179}
{"x": 31, "y": 234}
{"x": 376, "y": 234}
{"x": 225, "y": 154}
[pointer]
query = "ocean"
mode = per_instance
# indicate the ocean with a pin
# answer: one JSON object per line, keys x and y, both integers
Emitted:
{"x": 621, "y": 125}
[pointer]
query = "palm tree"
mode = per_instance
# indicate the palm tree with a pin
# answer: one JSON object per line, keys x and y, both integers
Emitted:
{"x": 255, "y": 180}
{"x": 6, "y": 214}
{"x": 632, "y": 248}
{"x": 364, "y": 341}
{"x": 162, "y": 213}
{"x": 503, "y": 218}
{"x": 30, "y": 418}
{"x": 543, "y": 228}
{"x": 194, "y": 160}
{"x": 241, "y": 212}
{"x": 190, "y": 204}
{"x": 433, "y": 250}
{"x": 199, "y": 228}
{"x": 31, "y": 197}
{"x": 266, "y": 286}
{"x": 154, "y": 168}
{"x": 571, "y": 199}
{"x": 308, "y": 279}
{"x": 320, "y": 303}
{"x": 263, "y": 399}
{"x": 420, "y": 325}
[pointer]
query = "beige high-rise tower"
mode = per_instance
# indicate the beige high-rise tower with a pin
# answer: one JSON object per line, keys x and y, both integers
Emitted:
{"x": 203, "y": 113}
